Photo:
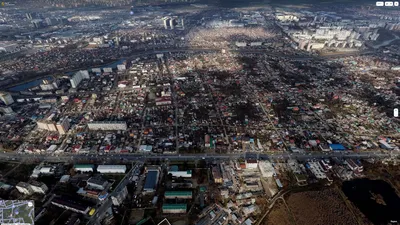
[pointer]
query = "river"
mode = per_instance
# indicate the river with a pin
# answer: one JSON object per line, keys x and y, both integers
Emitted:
{"x": 376, "y": 199}
{"x": 37, "y": 82}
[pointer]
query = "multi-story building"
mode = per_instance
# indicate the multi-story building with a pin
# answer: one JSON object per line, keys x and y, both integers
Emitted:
{"x": 63, "y": 125}
{"x": 24, "y": 188}
{"x": 70, "y": 205}
{"x": 78, "y": 77}
{"x": 97, "y": 183}
{"x": 217, "y": 175}
{"x": 48, "y": 86}
{"x": 118, "y": 198}
{"x": 38, "y": 187}
{"x": 107, "y": 125}
{"x": 32, "y": 187}
{"x": 46, "y": 125}
{"x": 6, "y": 98}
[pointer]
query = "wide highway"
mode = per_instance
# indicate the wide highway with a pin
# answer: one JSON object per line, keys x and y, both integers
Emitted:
{"x": 77, "y": 158}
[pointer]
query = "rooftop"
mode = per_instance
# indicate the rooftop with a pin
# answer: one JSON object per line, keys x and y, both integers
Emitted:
{"x": 174, "y": 206}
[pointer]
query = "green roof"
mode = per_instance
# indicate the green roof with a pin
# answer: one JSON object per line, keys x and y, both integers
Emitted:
{"x": 174, "y": 206}
{"x": 83, "y": 166}
{"x": 143, "y": 221}
{"x": 203, "y": 188}
{"x": 189, "y": 172}
{"x": 178, "y": 193}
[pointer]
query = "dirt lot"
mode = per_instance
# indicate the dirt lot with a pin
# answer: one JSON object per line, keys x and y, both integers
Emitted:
{"x": 320, "y": 207}
{"x": 278, "y": 216}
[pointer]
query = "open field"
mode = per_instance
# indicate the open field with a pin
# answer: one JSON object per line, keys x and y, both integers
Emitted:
{"x": 278, "y": 216}
{"x": 320, "y": 207}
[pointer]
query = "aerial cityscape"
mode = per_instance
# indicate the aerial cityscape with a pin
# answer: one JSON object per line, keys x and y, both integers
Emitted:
{"x": 204, "y": 112}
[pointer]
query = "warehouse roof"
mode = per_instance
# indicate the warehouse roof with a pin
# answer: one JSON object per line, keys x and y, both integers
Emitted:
{"x": 178, "y": 193}
{"x": 81, "y": 166}
{"x": 174, "y": 206}
{"x": 151, "y": 180}
{"x": 337, "y": 147}
{"x": 108, "y": 167}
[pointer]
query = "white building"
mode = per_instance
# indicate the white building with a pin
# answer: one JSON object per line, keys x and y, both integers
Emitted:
{"x": 251, "y": 164}
{"x": 107, "y": 70}
{"x": 6, "y": 98}
{"x": 185, "y": 174}
{"x": 46, "y": 125}
{"x": 111, "y": 169}
{"x": 121, "y": 67}
{"x": 24, "y": 188}
{"x": 266, "y": 169}
{"x": 241, "y": 44}
{"x": 120, "y": 196}
{"x": 8, "y": 47}
{"x": 38, "y": 187}
{"x": 107, "y": 125}
{"x": 78, "y": 77}
{"x": 32, "y": 187}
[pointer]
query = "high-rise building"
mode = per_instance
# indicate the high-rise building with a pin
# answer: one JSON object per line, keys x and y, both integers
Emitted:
{"x": 6, "y": 98}
{"x": 63, "y": 125}
{"x": 172, "y": 23}
{"x": 166, "y": 23}
{"x": 78, "y": 77}
{"x": 29, "y": 16}
{"x": 119, "y": 197}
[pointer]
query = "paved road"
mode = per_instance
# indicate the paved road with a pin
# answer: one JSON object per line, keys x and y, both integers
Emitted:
{"x": 99, "y": 214}
{"x": 76, "y": 158}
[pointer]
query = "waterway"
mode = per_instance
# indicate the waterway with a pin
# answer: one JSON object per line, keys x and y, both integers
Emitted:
{"x": 37, "y": 82}
{"x": 376, "y": 199}
{"x": 30, "y": 84}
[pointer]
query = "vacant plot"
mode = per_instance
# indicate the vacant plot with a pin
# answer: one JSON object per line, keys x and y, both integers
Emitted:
{"x": 278, "y": 216}
{"x": 320, "y": 207}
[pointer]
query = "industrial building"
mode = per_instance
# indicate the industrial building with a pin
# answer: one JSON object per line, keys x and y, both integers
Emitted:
{"x": 84, "y": 168}
{"x": 151, "y": 181}
{"x": 107, "y": 125}
{"x": 97, "y": 183}
{"x": 174, "y": 171}
{"x": 45, "y": 170}
{"x": 6, "y": 98}
{"x": 111, "y": 169}
{"x": 70, "y": 205}
{"x": 174, "y": 208}
{"x": 178, "y": 195}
